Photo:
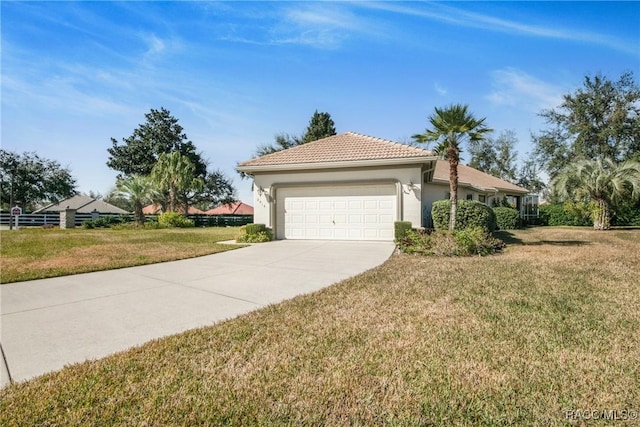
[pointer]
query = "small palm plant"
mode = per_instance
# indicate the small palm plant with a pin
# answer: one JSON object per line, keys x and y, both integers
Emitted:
{"x": 139, "y": 190}
{"x": 600, "y": 181}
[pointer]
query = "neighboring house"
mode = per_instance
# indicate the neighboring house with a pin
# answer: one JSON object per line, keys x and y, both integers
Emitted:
{"x": 354, "y": 187}
{"x": 157, "y": 209}
{"x": 235, "y": 208}
{"x": 82, "y": 204}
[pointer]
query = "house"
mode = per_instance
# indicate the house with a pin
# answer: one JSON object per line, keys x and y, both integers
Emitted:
{"x": 157, "y": 209}
{"x": 354, "y": 187}
{"x": 235, "y": 208}
{"x": 82, "y": 204}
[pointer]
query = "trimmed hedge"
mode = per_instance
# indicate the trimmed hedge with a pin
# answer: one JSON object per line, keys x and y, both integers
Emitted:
{"x": 565, "y": 214}
{"x": 401, "y": 228}
{"x": 470, "y": 213}
{"x": 255, "y": 228}
{"x": 507, "y": 218}
{"x": 174, "y": 220}
{"x": 254, "y": 233}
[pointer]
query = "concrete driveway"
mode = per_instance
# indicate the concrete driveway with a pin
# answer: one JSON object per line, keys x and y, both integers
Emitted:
{"x": 47, "y": 324}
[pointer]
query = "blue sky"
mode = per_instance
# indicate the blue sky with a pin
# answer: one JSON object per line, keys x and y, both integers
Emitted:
{"x": 75, "y": 74}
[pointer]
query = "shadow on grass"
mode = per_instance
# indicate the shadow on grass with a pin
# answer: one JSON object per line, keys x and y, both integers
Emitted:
{"x": 511, "y": 239}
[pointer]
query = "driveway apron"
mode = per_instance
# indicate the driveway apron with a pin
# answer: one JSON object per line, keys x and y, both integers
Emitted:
{"x": 47, "y": 324}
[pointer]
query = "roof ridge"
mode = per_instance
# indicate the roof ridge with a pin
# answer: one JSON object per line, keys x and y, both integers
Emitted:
{"x": 375, "y": 138}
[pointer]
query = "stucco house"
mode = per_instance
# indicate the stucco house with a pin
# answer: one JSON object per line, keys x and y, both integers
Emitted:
{"x": 82, "y": 204}
{"x": 235, "y": 208}
{"x": 354, "y": 187}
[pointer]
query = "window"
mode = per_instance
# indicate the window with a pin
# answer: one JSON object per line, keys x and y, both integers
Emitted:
{"x": 447, "y": 195}
{"x": 482, "y": 198}
{"x": 469, "y": 196}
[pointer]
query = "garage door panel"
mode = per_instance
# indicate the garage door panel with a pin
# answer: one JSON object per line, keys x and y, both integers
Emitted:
{"x": 386, "y": 204}
{"x": 355, "y": 219}
{"x": 340, "y": 217}
{"x": 371, "y": 219}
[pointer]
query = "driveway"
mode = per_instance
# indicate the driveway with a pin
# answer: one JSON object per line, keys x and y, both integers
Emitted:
{"x": 47, "y": 324}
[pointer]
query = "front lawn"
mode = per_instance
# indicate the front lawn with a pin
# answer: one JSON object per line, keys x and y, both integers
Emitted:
{"x": 527, "y": 337}
{"x": 29, "y": 254}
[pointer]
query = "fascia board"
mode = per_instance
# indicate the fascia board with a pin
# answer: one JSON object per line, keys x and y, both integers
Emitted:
{"x": 336, "y": 165}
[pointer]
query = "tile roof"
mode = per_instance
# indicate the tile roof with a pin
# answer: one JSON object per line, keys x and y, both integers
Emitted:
{"x": 157, "y": 209}
{"x": 471, "y": 177}
{"x": 236, "y": 208}
{"x": 82, "y": 204}
{"x": 344, "y": 147}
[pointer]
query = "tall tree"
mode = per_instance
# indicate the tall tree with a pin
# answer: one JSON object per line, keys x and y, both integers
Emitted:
{"x": 282, "y": 142}
{"x": 161, "y": 133}
{"x": 138, "y": 191}
{"x": 599, "y": 120}
{"x": 450, "y": 128}
{"x": 495, "y": 156}
{"x": 30, "y": 179}
{"x": 320, "y": 126}
{"x": 175, "y": 175}
{"x": 528, "y": 176}
{"x": 603, "y": 182}
{"x": 216, "y": 189}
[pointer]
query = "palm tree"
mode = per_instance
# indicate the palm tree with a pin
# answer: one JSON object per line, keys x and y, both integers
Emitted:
{"x": 175, "y": 175}
{"x": 451, "y": 127}
{"x": 601, "y": 181}
{"x": 138, "y": 190}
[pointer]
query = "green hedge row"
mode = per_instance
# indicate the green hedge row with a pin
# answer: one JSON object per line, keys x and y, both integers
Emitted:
{"x": 507, "y": 218}
{"x": 470, "y": 213}
{"x": 575, "y": 214}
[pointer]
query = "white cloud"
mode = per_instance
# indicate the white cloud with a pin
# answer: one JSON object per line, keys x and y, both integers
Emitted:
{"x": 440, "y": 90}
{"x": 155, "y": 45}
{"x": 319, "y": 25}
{"x": 459, "y": 17}
{"x": 515, "y": 88}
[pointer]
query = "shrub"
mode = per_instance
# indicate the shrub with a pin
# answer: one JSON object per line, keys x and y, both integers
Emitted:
{"x": 467, "y": 242}
{"x": 174, "y": 220}
{"x": 401, "y": 228}
{"x": 507, "y": 218}
{"x": 470, "y": 213}
{"x": 104, "y": 222}
{"x": 570, "y": 213}
{"x": 255, "y": 228}
{"x": 476, "y": 241}
{"x": 254, "y": 233}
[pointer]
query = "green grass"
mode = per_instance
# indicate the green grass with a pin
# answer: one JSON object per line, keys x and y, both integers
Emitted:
{"x": 30, "y": 254}
{"x": 518, "y": 338}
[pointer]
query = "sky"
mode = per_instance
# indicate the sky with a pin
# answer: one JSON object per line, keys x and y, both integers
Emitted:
{"x": 235, "y": 74}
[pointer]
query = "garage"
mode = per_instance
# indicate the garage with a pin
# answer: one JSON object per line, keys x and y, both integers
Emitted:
{"x": 337, "y": 213}
{"x": 343, "y": 187}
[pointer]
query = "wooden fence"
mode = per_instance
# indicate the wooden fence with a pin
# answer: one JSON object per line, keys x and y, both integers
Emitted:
{"x": 39, "y": 220}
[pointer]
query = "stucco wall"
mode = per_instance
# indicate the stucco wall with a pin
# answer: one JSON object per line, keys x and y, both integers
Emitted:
{"x": 410, "y": 199}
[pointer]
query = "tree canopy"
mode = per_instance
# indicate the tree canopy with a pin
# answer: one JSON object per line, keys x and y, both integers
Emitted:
{"x": 320, "y": 126}
{"x": 160, "y": 134}
{"x": 599, "y": 120}
{"x": 32, "y": 179}
{"x": 495, "y": 156}
{"x": 160, "y": 148}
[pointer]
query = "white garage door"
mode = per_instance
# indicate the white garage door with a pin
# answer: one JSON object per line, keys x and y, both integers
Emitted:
{"x": 340, "y": 217}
